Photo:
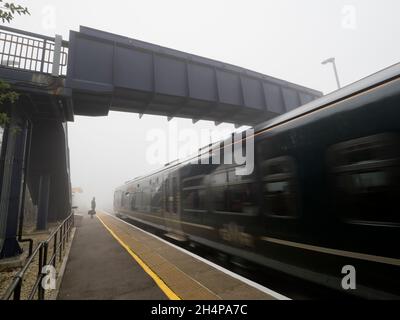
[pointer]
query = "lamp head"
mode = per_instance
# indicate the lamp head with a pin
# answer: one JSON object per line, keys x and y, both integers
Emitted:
{"x": 332, "y": 60}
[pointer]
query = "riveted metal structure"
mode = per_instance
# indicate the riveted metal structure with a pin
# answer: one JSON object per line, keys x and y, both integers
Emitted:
{"x": 110, "y": 72}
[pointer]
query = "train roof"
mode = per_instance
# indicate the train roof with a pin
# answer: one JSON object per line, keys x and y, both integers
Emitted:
{"x": 366, "y": 83}
{"x": 166, "y": 167}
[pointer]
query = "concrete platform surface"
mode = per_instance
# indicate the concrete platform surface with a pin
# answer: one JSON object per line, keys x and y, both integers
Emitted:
{"x": 100, "y": 268}
{"x": 185, "y": 275}
{"x": 111, "y": 259}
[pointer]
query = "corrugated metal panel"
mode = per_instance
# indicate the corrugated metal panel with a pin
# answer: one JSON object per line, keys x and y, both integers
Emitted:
{"x": 111, "y": 72}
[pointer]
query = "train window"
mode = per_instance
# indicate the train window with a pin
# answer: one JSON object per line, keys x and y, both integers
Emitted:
{"x": 120, "y": 199}
{"x": 242, "y": 198}
{"x": 194, "y": 199}
{"x": 365, "y": 179}
{"x": 167, "y": 195}
{"x": 280, "y": 187}
{"x": 231, "y": 194}
{"x": 147, "y": 199}
{"x": 220, "y": 196}
{"x": 139, "y": 200}
{"x": 133, "y": 201}
{"x": 156, "y": 200}
{"x": 175, "y": 194}
{"x": 193, "y": 193}
{"x": 125, "y": 200}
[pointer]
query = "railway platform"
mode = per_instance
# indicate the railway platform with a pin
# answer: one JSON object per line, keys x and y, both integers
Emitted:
{"x": 112, "y": 259}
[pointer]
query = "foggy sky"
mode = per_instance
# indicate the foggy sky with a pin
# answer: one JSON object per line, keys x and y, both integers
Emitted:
{"x": 283, "y": 39}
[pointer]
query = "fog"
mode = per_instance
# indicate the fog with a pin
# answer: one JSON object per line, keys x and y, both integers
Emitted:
{"x": 283, "y": 39}
{"x": 107, "y": 151}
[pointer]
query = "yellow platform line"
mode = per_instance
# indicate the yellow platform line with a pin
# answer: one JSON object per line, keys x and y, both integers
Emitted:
{"x": 160, "y": 283}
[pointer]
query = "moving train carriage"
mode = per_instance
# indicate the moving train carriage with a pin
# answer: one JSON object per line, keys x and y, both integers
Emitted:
{"x": 152, "y": 199}
{"x": 323, "y": 195}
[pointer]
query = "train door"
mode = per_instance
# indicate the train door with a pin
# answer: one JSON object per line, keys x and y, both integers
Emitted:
{"x": 281, "y": 195}
{"x": 279, "y": 180}
{"x": 172, "y": 210}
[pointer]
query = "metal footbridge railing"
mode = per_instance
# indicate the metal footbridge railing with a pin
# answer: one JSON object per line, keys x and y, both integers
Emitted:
{"x": 33, "y": 52}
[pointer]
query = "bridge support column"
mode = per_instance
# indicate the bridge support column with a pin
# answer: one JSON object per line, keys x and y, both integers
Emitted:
{"x": 11, "y": 186}
{"x": 43, "y": 203}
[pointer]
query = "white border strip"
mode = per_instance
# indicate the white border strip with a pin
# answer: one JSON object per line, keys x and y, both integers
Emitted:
{"x": 226, "y": 271}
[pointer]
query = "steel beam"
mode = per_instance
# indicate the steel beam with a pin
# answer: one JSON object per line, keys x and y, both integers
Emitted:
{"x": 43, "y": 206}
{"x": 11, "y": 192}
{"x": 119, "y": 73}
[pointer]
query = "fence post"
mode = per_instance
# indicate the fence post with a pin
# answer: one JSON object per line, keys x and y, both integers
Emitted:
{"x": 61, "y": 242}
{"x": 41, "y": 264}
{"x": 43, "y": 56}
{"x": 68, "y": 229}
{"x": 17, "y": 291}
{"x": 54, "y": 255}
{"x": 57, "y": 56}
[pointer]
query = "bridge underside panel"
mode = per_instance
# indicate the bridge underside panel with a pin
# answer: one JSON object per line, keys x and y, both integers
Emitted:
{"x": 111, "y": 72}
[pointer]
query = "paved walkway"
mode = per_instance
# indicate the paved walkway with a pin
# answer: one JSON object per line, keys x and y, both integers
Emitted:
{"x": 100, "y": 268}
{"x": 111, "y": 259}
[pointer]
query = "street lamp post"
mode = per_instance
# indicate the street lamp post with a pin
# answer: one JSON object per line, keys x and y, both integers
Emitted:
{"x": 332, "y": 60}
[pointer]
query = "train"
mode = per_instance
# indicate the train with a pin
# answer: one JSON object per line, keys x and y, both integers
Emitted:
{"x": 322, "y": 203}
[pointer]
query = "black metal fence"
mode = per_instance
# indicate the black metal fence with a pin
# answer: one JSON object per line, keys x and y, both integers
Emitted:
{"x": 29, "y": 51}
{"x": 49, "y": 252}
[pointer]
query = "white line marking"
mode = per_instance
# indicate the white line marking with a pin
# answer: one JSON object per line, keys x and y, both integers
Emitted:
{"x": 226, "y": 271}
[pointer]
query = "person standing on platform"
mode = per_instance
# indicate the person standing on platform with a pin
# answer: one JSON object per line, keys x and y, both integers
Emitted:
{"x": 93, "y": 211}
